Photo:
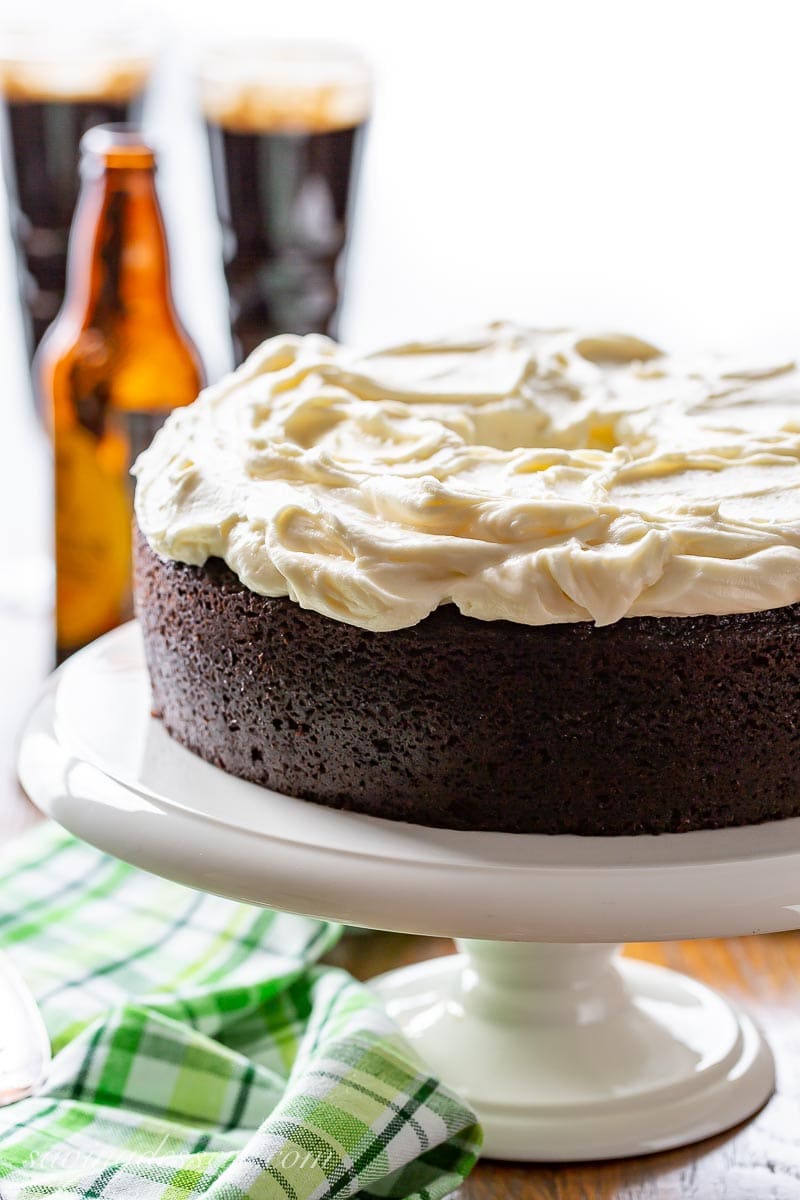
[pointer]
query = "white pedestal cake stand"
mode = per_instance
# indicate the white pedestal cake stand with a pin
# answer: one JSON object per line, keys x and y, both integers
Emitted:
{"x": 566, "y": 1051}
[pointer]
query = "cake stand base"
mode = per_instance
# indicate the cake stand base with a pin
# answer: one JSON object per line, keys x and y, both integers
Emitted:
{"x": 568, "y": 1052}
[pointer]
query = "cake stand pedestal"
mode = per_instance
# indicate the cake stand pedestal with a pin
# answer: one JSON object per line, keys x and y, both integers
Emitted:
{"x": 566, "y": 1051}
{"x": 569, "y": 1052}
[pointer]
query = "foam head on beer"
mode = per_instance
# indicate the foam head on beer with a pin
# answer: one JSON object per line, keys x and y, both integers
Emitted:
{"x": 289, "y": 87}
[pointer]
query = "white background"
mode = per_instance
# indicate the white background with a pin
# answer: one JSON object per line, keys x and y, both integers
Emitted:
{"x": 604, "y": 162}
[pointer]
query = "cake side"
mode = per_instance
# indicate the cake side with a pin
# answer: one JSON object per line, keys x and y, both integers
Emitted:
{"x": 648, "y": 725}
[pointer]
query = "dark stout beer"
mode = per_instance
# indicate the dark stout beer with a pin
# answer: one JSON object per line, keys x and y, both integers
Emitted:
{"x": 108, "y": 371}
{"x": 285, "y": 141}
{"x": 40, "y": 158}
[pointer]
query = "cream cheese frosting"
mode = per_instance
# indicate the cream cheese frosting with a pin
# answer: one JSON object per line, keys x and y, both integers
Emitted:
{"x": 525, "y": 475}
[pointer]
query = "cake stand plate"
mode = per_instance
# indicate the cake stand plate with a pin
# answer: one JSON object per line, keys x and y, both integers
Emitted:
{"x": 566, "y": 1050}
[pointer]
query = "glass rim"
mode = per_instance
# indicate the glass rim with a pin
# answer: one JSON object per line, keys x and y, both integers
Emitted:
{"x": 265, "y": 59}
{"x": 36, "y": 45}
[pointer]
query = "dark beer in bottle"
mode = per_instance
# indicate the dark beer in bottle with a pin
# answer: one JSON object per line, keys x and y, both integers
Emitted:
{"x": 112, "y": 366}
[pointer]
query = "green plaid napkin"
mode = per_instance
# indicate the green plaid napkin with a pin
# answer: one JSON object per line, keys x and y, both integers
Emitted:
{"x": 200, "y": 1052}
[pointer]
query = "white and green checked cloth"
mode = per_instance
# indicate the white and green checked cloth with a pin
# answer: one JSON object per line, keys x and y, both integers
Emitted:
{"x": 200, "y": 1052}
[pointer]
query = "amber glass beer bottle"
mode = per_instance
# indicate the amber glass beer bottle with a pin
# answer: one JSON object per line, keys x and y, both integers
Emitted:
{"x": 111, "y": 367}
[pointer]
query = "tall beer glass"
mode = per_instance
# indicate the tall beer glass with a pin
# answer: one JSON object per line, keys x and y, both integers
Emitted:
{"x": 53, "y": 87}
{"x": 285, "y": 126}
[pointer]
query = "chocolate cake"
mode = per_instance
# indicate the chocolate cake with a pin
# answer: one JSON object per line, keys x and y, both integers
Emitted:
{"x": 593, "y": 631}
{"x": 645, "y": 726}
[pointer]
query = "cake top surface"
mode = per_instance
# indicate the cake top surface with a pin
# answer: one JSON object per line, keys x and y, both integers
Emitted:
{"x": 527, "y": 475}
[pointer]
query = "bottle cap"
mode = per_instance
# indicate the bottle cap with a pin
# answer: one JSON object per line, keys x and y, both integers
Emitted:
{"x": 117, "y": 146}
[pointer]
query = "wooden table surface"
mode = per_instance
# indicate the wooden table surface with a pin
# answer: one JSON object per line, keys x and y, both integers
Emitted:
{"x": 758, "y": 1161}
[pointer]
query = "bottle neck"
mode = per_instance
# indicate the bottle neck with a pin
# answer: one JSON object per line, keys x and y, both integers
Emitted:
{"x": 118, "y": 266}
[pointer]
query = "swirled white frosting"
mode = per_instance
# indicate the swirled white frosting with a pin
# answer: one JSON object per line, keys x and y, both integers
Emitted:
{"x": 533, "y": 476}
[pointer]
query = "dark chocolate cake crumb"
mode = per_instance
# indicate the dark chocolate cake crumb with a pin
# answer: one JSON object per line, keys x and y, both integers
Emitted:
{"x": 650, "y": 725}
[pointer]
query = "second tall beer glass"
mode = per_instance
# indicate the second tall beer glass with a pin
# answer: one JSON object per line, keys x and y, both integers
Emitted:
{"x": 54, "y": 87}
{"x": 285, "y": 126}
